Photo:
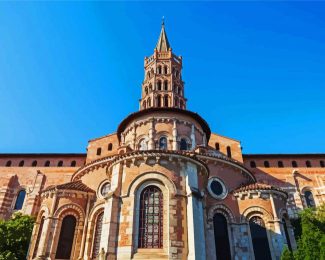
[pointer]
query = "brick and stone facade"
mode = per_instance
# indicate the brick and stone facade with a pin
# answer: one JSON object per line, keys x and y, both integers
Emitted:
{"x": 92, "y": 206}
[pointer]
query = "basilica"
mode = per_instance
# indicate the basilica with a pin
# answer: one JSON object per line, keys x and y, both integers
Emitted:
{"x": 163, "y": 186}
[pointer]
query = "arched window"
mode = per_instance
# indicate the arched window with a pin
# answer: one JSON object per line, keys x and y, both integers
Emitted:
{"x": 158, "y": 101}
{"x": 149, "y": 102}
{"x": 309, "y": 198}
{"x": 66, "y": 237}
{"x": 47, "y": 164}
{"x": 150, "y": 87}
{"x": 34, "y": 163}
{"x": 266, "y": 164}
{"x": 73, "y": 164}
{"x": 143, "y": 145}
{"x": 221, "y": 237}
{"x": 152, "y": 72}
{"x": 286, "y": 233}
{"x": 181, "y": 104}
{"x": 294, "y": 164}
{"x": 165, "y": 70}
{"x": 322, "y": 164}
{"x": 99, "y": 151}
{"x": 60, "y": 163}
{"x": 40, "y": 229}
{"x": 110, "y": 147}
{"x": 176, "y": 73}
{"x": 159, "y": 85}
{"x": 151, "y": 218}
{"x": 144, "y": 104}
{"x": 159, "y": 69}
{"x": 98, "y": 234}
{"x": 176, "y": 102}
{"x": 166, "y": 101}
{"x": 183, "y": 145}
{"x": 20, "y": 200}
{"x": 165, "y": 85}
{"x": 8, "y": 164}
{"x": 308, "y": 164}
{"x": 146, "y": 90}
{"x": 217, "y": 145}
{"x": 229, "y": 151}
{"x": 21, "y": 163}
{"x": 259, "y": 238}
{"x": 280, "y": 164}
{"x": 163, "y": 143}
{"x": 253, "y": 164}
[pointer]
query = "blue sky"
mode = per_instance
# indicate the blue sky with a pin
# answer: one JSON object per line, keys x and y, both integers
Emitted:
{"x": 71, "y": 71}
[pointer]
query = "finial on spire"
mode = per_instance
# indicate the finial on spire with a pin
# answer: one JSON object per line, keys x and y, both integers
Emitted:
{"x": 163, "y": 44}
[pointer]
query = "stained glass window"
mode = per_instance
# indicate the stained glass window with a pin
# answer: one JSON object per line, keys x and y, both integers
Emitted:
{"x": 151, "y": 218}
{"x": 98, "y": 234}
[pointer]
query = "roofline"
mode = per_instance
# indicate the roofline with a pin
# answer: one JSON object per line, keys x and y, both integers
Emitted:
{"x": 101, "y": 137}
{"x": 147, "y": 111}
{"x": 274, "y": 155}
{"x": 233, "y": 139}
{"x": 42, "y": 155}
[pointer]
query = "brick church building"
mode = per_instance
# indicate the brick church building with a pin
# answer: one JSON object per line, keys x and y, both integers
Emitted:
{"x": 163, "y": 186}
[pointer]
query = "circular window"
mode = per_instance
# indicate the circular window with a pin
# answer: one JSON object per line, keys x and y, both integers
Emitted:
{"x": 216, "y": 188}
{"x": 105, "y": 189}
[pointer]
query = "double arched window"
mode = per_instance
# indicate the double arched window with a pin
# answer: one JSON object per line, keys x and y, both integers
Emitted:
{"x": 20, "y": 200}
{"x": 151, "y": 218}
{"x": 166, "y": 85}
{"x": 143, "y": 145}
{"x": 163, "y": 143}
{"x": 66, "y": 237}
{"x": 166, "y": 101}
{"x": 183, "y": 145}
{"x": 221, "y": 237}
{"x": 98, "y": 234}
{"x": 259, "y": 238}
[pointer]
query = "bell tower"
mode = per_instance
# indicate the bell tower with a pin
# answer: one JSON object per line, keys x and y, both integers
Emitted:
{"x": 163, "y": 85}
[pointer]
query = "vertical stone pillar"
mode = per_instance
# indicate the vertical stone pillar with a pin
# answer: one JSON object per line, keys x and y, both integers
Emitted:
{"x": 204, "y": 140}
{"x": 47, "y": 233}
{"x": 195, "y": 220}
{"x": 175, "y": 135}
{"x": 277, "y": 236}
{"x": 134, "y": 134}
{"x": 32, "y": 193}
{"x": 151, "y": 143}
{"x": 193, "y": 136}
{"x": 111, "y": 212}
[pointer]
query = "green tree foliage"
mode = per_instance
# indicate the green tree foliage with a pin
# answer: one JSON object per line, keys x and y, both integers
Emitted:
{"x": 15, "y": 235}
{"x": 311, "y": 242}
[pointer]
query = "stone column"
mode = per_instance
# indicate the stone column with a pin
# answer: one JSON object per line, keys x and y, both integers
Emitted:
{"x": 110, "y": 223}
{"x": 134, "y": 134}
{"x": 175, "y": 135}
{"x": 276, "y": 235}
{"x": 193, "y": 136}
{"x": 48, "y": 226}
{"x": 151, "y": 143}
{"x": 195, "y": 221}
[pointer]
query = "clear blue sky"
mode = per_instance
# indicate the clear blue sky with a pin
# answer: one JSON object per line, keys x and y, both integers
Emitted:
{"x": 71, "y": 71}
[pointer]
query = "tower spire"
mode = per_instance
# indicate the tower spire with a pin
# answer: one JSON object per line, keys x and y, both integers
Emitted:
{"x": 163, "y": 43}
{"x": 163, "y": 85}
